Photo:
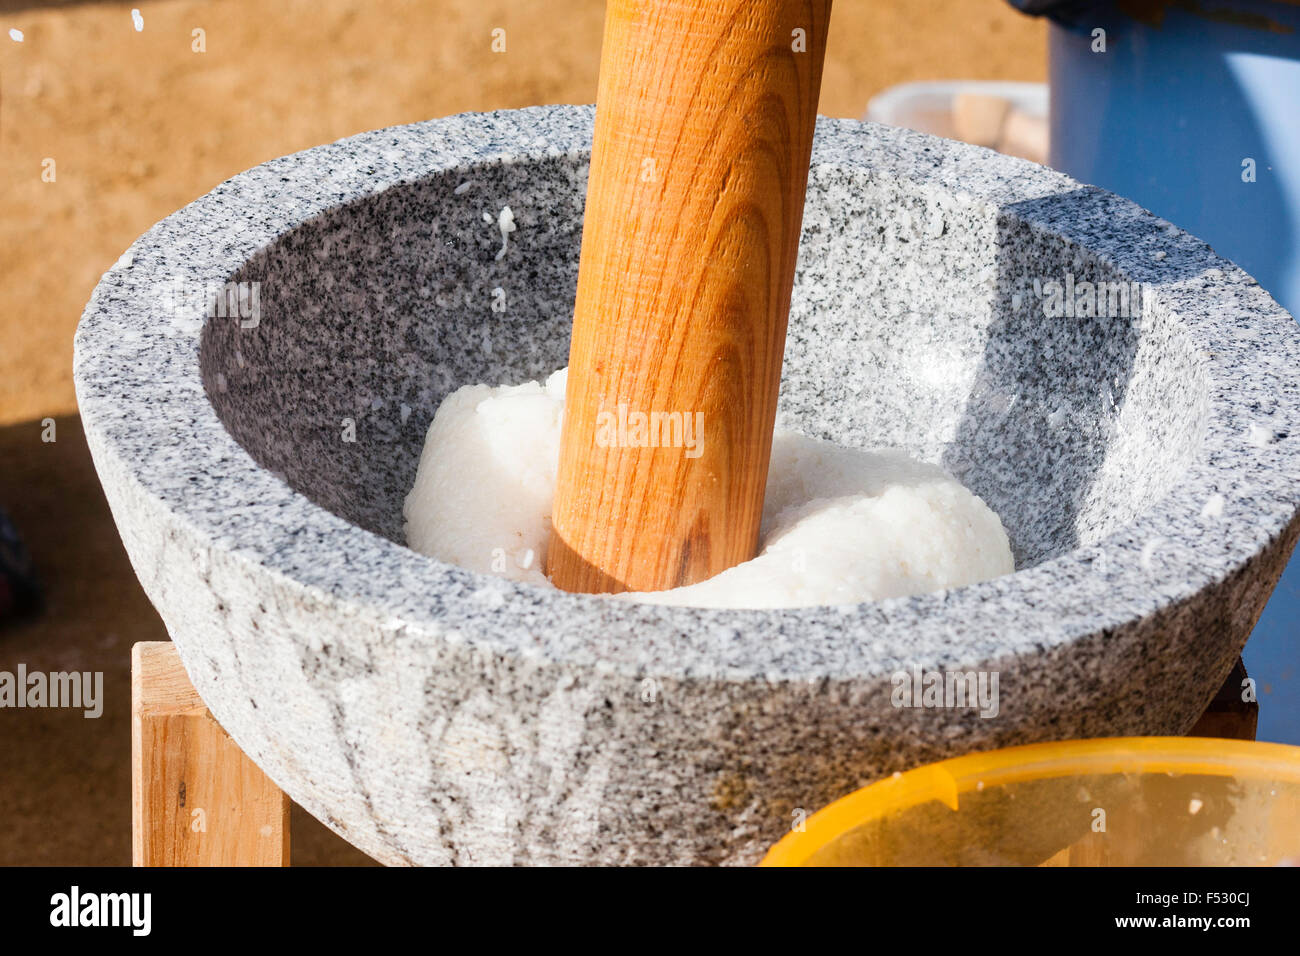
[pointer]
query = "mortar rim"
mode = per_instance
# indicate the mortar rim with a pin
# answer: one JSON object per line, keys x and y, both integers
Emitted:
{"x": 726, "y": 644}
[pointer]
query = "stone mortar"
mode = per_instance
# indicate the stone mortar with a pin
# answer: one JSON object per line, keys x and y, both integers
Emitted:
{"x": 1147, "y": 469}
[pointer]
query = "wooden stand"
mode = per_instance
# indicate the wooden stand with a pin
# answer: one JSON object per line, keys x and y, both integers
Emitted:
{"x": 196, "y": 799}
{"x": 1228, "y": 715}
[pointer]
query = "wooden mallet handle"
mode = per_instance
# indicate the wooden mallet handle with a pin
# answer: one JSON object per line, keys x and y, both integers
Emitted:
{"x": 704, "y": 127}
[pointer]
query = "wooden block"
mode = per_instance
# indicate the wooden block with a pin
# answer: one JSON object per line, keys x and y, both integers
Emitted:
{"x": 1089, "y": 851}
{"x": 1228, "y": 715}
{"x": 196, "y": 798}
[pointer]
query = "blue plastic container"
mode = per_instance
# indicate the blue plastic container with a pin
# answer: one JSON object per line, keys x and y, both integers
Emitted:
{"x": 1196, "y": 116}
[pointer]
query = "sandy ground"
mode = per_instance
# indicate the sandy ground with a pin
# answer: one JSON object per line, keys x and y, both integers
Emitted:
{"x": 138, "y": 124}
{"x": 65, "y": 787}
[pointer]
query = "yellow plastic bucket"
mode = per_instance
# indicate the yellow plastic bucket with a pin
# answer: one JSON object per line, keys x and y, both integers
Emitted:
{"x": 1123, "y": 801}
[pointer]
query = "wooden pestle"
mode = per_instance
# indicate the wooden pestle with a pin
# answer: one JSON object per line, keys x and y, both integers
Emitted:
{"x": 704, "y": 127}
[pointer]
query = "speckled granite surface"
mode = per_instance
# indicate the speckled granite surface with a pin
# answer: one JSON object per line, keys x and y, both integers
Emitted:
{"x": 1147, "y": 469}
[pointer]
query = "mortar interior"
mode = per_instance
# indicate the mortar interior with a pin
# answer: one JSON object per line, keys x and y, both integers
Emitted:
{"x": 913, "y": 324}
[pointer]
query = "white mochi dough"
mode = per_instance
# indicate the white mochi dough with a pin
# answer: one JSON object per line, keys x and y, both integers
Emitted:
{"x": 840, "y": 525}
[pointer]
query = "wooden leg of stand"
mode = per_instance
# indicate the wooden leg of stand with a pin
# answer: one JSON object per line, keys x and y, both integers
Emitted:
{"x": 196, "y": 799}
{"x": 1228, "y": 715}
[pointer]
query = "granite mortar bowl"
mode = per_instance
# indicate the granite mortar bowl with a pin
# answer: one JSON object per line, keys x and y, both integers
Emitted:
{"x": 1145, "y": 465}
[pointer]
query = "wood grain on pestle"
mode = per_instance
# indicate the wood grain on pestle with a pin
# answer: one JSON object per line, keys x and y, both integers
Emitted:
{"x": 703, "y": 134}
